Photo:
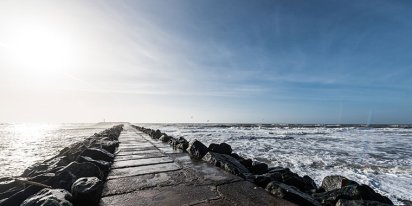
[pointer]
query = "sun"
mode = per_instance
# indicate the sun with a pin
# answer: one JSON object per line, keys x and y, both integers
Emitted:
{"x": 41, "y": 50}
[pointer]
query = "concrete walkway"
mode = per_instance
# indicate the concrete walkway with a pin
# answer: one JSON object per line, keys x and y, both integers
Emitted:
{"x": 149, "y": 172}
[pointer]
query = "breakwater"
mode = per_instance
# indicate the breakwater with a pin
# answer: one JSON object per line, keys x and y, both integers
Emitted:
{"x": 280, "y": 182}
{"x": 75, "y": 176}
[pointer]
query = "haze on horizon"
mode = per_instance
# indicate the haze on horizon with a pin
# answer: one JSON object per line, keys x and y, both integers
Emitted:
{"x": 289, "y": 61}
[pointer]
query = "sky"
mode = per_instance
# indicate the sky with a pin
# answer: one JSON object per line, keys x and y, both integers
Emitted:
{"x": 230, "y": 61}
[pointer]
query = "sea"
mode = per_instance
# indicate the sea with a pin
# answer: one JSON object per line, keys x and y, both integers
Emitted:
{"x": 379, "y": 155}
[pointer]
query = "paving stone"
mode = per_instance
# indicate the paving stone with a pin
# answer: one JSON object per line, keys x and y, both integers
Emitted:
{"x": 133, "y": 171}
{"x": 170, "y": 150}
{"x": 209, "y": 174}
{"x": 174, "y": 195}
{"x": 130, "y": 184}
{"x": 137, "y": 148}
{"x": 246, "y": 193}
{"x": 139, "y": 156}
{"x": 141, "y": 162}
{"x": 137, "y": 152}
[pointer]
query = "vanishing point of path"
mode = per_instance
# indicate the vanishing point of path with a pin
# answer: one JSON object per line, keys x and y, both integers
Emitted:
{"x": 149, "y": 172}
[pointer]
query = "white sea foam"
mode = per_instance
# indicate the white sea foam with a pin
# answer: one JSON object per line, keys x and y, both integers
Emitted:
{"x": 378, "y": 157}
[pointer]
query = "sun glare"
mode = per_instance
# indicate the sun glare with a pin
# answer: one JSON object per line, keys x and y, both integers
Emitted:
{"x": 41, "y": 50}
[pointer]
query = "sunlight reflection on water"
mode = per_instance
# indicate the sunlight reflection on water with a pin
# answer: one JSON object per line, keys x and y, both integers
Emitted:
{"x": 22, "y": 145}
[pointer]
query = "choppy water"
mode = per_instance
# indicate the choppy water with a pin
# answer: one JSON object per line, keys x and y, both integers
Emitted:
{"x": 378, "y": 157}
{"x": 22, "y": 145}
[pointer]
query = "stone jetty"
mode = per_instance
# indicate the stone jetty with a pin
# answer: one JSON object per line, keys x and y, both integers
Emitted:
{"x": 128, "y": 165}
{"x": 150, "y": 172}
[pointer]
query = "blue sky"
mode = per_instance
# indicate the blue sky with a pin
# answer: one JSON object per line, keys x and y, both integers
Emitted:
{"x": 218, "y": 61}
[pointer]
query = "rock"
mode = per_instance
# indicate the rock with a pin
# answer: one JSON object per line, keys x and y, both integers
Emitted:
{"x": 310, "y": 183}
{"x": 291, "y": 193}
{"x": 259, "y": 168}
{"x": 284, "y": 175}
{"x": 180, "y": 143}
{"x": 407, "y": 202}
{"x": 165, "y": 138}
{"x": 261, "y": 180}
{"x": 109, "y": 146}
{"x": 247, "y": 163}
{"x": 295, "y": 180}
{"x": 98, "y": 154}
{"x": 157, "y": 134}
{"x": 333, "y": 182}
{"x": 222, "y": 148}
{"x": 103, "y": 165}
{"x": 42, "y": 177}
{"x": 343, "y": 202}
{"x": 66, "y": 176}
{"x": 18, "y": 197}
{"x": 227, "y": 163}
{"x": 351, "y": 192}
{"x": 49, "y": 197}
{"x": 236, "y": 156}
{"x": 278, "y": 170}
{"x": 196, "y": 149}
{"x": 87, "y": 191}
{"x": 113, "y": 133}
{"x": 48, "y": 166}
{"x": 9, "y": 188}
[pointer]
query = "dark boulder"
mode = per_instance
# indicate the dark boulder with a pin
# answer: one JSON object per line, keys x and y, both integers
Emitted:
{"x": 309, "y": 184}
{"x": 333, "y": 182}
{"x": 87, "y": 191}
{"x": 343, "y": 202}
{"x": 49, "y": 197}
{"x": 284, "y": 175}
{"x": 260, "y": 180}
{"x": 227, "y": 163}
{"x": 157, "y": 134}
{"x": 180, "y": 143}
{"x": 291, "y": 193}
{"x": 165, "y": 138}
{"x": 9, "y": 188}
{"x": 281, "y": 170}
{"x": 196, "y": 149}
{"x": 103, "y": 165}
{"x": 66, "y": 176}
{"x": 109, "y": 146}
{"x": 18, "y": 197}
{"x": 48, "y": 166}
{"x": 221, "y": 148}
{"x": 98, "y": 154}
{"x": 247, "y": 163}
{"x": 258, "y": 168}
{"x": 236, "y": 156}
{"x": 351, "y": 192}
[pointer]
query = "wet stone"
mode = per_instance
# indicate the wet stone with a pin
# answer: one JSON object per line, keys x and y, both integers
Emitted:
{"x": 133, "y": 171}
{"x": 137, "y": 152}
{"x": 139, "y": 156}
{"x": 174, "y": 195}
{"x": 141, "y": 162}
{"x": 131, "y": 149}
{"x": 130, "y": 184}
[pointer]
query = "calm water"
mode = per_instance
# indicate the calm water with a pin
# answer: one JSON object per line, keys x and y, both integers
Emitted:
{"x": 378, "y": 157}
{"x": 22, "y": 145}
